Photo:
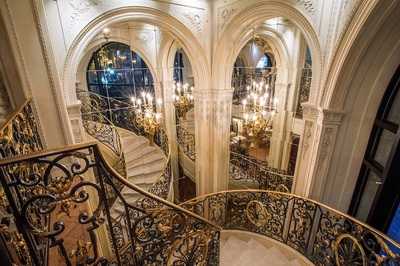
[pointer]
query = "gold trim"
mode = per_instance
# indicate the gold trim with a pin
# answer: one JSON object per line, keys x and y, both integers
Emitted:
{"x": 355, "y": 244}
{"x": 14, "y": 114}
{"x": 378, "y": 233}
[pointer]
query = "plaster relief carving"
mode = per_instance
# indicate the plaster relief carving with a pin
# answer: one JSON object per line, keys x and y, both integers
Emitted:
{"x": 144, "y": 37}
{"x": 225, "y": 14}
{"x": 325, "y": 145}
{"x": 194, "y": 20}
{"x": 308, "y": 5}
{"x": 307, "y": 136}
{"x": 79, "y": 7}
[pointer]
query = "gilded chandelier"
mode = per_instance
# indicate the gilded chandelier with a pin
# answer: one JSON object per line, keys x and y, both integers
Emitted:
{"x": 258, "y": 108}
{"x": 146, "y": 115}
{"x": 183, "y": 98}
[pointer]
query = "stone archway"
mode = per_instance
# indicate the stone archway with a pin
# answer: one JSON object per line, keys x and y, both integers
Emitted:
{"x": 364, "y": 63}
{"x": 239, "y": 31}
{"x": 139, "y": 14}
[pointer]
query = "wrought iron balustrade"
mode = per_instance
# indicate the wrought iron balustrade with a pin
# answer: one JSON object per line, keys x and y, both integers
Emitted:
{"x": 57, "y": 192}
{"x": 18, "y": 136}
{"x": 323, "y": 235}
{"x": 304, "y": 90}
{"x": 187, "y": 142}
{"x": 115, "y": 115}
{"x": 245, "y": 169}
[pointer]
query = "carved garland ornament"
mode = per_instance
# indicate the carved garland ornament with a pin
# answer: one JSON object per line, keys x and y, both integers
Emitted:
{"x": 257, "y": 213}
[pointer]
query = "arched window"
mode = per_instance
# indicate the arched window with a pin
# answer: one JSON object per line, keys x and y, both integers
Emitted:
{"x": 376, "y": 198}
{"x": 116, "y": 71}
{"x": 264, "y": 62}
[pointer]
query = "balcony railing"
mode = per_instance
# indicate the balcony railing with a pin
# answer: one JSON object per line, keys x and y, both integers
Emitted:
{"x": 246, "y": 169}
{"x": 114, "y": 115}
{"x": 323, "y": 235}
{"x": 304, "y": 90}
{"x": 186, "y": 141}
{"x": 18, "y": 136}
{"x": 55, "y": 193}
{"x": 98, "y": 125}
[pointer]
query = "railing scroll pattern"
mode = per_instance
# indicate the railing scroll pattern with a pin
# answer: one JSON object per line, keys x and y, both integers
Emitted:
{"x": 323, "y": 235}
{"x": 97, "y": 124}
{"x": 18, "y": 136}
{"x": 186, "y": 141}
{"x": 304, "y": 90}
{"x": 267, "y": 178}
{"x": 52, "y": 192}
{"x": 113, "y": 114}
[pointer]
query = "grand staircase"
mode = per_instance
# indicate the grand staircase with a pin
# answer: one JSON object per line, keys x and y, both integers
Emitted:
{"x": 144, "y": 164}
{"x": 81, "y": 220}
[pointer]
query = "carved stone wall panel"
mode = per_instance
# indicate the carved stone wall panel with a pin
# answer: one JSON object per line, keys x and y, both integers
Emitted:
{"x": 76, "y": 14}
{"x": 225, "y": 11}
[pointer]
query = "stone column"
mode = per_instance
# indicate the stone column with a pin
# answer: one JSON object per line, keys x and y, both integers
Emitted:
{"x": 280, "y": 126}
{"x": 170, "y": 127}
{"x": 319, "y": 137}
{"x": 213, "y": 118}
{"x": 75, "y": 118}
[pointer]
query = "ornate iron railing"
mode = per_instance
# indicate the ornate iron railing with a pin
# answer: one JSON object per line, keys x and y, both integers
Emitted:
{"x": 304, "y": 90}
{"x": 58, "y": 192}
{"x": 245, "y": 169}
{"x": 18, "y": 136}
{"x": 98, "y": 125}
{"x": 323, "y": 235}
{"x": 119, "y": 114}
{"x": 186, "y": 141}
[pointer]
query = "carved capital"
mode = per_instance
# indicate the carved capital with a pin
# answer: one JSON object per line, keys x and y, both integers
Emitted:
{"x": 331, "y": 117}
{"x": 310, "y": 112}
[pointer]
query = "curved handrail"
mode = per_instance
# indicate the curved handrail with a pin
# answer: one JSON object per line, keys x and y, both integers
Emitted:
{"x": 317, "y": 231}
{"x": 244, "y": 168}
{"x": 20, "y": 133}
{"x": 163, "y": 183}
{"x": 151, "y": 222}
{"x": 101, "y": 128}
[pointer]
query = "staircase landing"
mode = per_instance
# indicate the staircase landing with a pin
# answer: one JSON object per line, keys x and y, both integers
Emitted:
{"x": 240, "y": 248}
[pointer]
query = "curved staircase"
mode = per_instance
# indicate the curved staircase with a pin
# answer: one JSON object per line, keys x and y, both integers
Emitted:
{"x": 144, "y": 164}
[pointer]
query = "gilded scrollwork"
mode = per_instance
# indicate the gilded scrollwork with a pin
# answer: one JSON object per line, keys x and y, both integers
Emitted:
{"x": 245, "y": 168}
{"x": 51, "y": 194}
{"x": 325, "y": 236}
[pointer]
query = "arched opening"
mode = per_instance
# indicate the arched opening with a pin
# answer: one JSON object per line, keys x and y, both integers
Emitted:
{"x": 116, "y": 71}
{"x": 271, "y": 78}
{"x": 355, "y": 86}
{"x": 185, "y": 124}
{"x": 376, "y": 198}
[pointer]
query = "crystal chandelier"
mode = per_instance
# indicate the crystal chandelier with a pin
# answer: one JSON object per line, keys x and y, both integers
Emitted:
{"x": 146, "y": 115}
{"x": 258, "y": 108}
{"x": 183, "y": 98}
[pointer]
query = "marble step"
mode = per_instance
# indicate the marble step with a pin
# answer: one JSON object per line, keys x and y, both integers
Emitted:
{"x": 148, "y": 158}
{"x": 248, "y": 250}
{"x": 133, "y": 143}
{"x": 133, "y": 157}
{"x": 146, "y": 169}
